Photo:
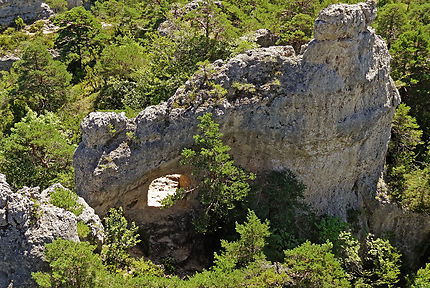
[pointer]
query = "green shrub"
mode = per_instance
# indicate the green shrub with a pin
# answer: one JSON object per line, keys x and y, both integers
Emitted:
{"x": 141, "y": 267}
{"x": 66, "y": 199}
{"x": 36, "y": 212}
{"x": 422, "y": 279}
{"x": 381, "y": 263}
{"x": 277, "y": 196}
{"x": 37, "y": 153}
{"x": 73, "y": 264}
{"x": 118, "y": 239}
{"x": 221, "y": 184}
{"x": 19, "y": 23}
{"x": 83, "y": 230}
{"x": 57, "y": 5}
{"x": 416, "y": 196}
{"x": 375, "y": 263}
{"x": 248, "y": 248}
{"x": 329, "y": 230}
{"x": 314, "y": 265}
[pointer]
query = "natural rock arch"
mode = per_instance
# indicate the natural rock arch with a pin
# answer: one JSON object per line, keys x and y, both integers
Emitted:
{"x": 325, "y": 115}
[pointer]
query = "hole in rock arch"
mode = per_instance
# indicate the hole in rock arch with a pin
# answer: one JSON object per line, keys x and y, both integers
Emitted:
{"x": 164, "y": 186}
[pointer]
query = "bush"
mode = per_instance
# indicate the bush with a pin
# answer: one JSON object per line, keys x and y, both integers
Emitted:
{"x": 37, "y": 153}
{"x": 416, "y": 196}
{"x": 248, "y": 248}
{"x": 73, "y": 264}
{"x": 118, "y": 239}
{"x": 329, "y": 230}
{"x": 422, "y": 280}
{"x": 66, "y": 199}
{"x": 221, "y": 184}
{"x": 277, "y": 197}
{"x": 57, "y": 5}
{"x": 314, "y": 265}
{"x": 374, "y": 264}
{"x": 83, "y": 230}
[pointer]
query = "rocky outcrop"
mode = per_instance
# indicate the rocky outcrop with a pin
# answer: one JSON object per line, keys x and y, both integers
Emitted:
{"x": 28, "y": 10}
{"x": 74, "y": 3}
{"x": 325, "y": 115}
{"x": 262, "y": 37}
{"x": 409, "y": 231}
{"x": 27, "y": 222}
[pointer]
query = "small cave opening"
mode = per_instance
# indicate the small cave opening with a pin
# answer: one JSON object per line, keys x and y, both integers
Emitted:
{"x": 164, "y": 186}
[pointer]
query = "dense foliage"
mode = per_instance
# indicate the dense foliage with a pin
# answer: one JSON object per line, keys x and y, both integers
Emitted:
{"x": 127, "y": 54}
{"x": 37, "y": 152}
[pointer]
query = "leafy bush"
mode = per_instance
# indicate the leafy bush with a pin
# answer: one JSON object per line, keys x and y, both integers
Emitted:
{"x": 80, "y": 39}
{"x": 297, "y": 31}
{"x": 248, "y": 248}
{"x": 118, "y": 239}
{"x": 405, "y": 137}
{"x": 73, "y": 264}
{"x": 37, "y": 153}
{"x": 374, "y": 264}
{"x": 416, "y": 196}
{"x": 277, "y": 196}
{"x": 36, "y": 212}
{"x": 329, "y": 230}
{"x": 42, "y": 83}
{"x": 57, "y": 5}
{"x": 314, "y": 265}
{"x": 422, "y": 279}
{"x": 381, "y": 263}
{"x": 66, "y": 199}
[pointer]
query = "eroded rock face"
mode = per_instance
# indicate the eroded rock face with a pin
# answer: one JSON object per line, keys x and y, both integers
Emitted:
{"x": 28, "y": 10}
{"x": 325, "y": 115}
{"x": 27, "y": 222}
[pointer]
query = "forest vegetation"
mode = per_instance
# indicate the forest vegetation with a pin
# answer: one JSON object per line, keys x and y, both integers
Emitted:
{"x": 115, "y": 57}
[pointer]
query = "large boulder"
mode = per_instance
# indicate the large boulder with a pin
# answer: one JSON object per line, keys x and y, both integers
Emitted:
{"x": 27, "y": 222}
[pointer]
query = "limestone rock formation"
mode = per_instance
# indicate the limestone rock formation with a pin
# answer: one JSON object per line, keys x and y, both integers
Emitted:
{"x": 325, "y": 115}
{"x": 27, "y": 222}
{"x": 262, "y": 37}
{"x": 74, "y": 3}
{"x": 28, "y": 10}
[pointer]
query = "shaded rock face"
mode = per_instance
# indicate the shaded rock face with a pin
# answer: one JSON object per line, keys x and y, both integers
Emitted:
{"x": 409, "y": 231}
{"x": 262, "y": 37}
{"x": 27, "y": 222}
{"x": 6, "y": 62}
{"x": 74, "y": 3}
{"x": 325, "y": 115}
